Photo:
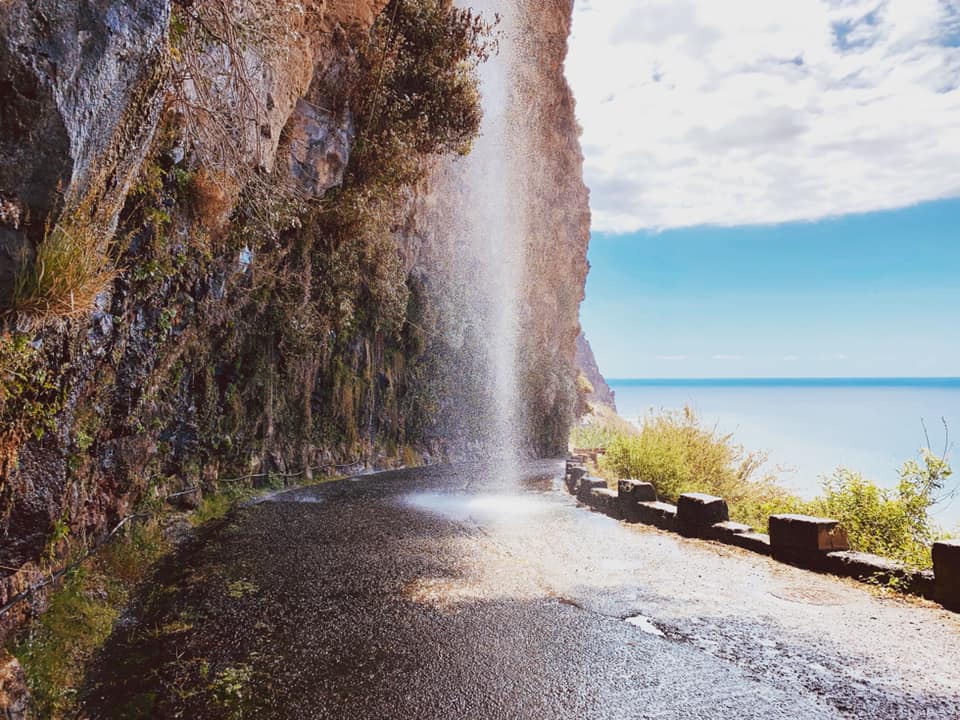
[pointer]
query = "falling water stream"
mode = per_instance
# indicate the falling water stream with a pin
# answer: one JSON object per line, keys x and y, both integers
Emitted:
{"x": 489, "y": 230}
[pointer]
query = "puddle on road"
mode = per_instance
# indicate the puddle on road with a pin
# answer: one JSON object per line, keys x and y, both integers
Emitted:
{"x": 462, "y": 507}
{"x": 289, "y": 497}
{"x": 642, "y": 622}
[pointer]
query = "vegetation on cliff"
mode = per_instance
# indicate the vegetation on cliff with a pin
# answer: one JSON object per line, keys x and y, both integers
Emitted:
{"x": 676, "y": 453}
{"x": 249, "y": 327}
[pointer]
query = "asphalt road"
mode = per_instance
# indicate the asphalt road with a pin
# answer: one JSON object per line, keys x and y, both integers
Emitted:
{"x": 451, "y": 593}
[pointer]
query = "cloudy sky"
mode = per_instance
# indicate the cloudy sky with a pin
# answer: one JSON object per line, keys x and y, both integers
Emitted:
{"x": 771, "y": 185}
{"x": 755, "y": 111}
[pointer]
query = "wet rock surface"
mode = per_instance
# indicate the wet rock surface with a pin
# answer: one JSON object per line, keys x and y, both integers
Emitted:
{"x": 82, "y": 90}
{"x": 14, "y": 695}
{"x": 445, "y": 593}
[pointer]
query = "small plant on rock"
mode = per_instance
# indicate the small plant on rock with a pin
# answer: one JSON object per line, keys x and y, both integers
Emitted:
{"x": 64, "y": 279}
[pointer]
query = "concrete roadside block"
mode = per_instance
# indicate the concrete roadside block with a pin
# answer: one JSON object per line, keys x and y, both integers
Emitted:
{"x": 570, "y": 464}
{"x": 605, "y": 500}
{"x": 585, "y": 485}
{"x": 805, "y": 540}
{"x": 629, "y": 493}
{"x": 946, "y": 572}
{"x": 874, "y": 568}
{"x": 574, "y": 474}
{"x": 723, "y": 531}
{"x": 753, "y": 541}
{"x": 922, "y": 582}
{"x": 659, "y": 514}
{"x": 697, "y": 513}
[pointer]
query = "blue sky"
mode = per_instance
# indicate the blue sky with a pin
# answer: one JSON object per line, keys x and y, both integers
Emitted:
{"x": 874, "y": 295}
{"x": 773, "y": 186}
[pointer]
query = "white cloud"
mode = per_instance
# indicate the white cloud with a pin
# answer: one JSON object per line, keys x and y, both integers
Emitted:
{"x": 728, "y": 357}
{"x": 760, "y": 111}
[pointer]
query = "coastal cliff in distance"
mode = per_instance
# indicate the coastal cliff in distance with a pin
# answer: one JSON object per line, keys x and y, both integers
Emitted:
{"x": 217, "y": 256}
{"x": 587, "y": 364}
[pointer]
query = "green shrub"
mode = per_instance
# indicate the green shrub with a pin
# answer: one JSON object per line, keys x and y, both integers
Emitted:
{"x": 600, "y": 427}
{"x": 80, "y": 616}
{"x": 414, "y": 91}
{"x": 29, "y": 400}
{"x": 677, "y": 454}
{"x": 892, "y": 523}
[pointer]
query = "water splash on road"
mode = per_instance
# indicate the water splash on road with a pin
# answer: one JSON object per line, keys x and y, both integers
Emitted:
{"x": 642, "y": 622}
{"x": 487, "y": 507}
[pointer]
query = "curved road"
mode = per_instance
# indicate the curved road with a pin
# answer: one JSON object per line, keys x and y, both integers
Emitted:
{"x": 446, "y": 593}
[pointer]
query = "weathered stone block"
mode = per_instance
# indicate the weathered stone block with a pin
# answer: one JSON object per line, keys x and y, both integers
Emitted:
{"x": 946, "y": 571}
{"x": 923, "y": 583}
{"x": 722, "y": 531}
{"x": 662, "y": 515}
{"x": 753, "y": 541}
{"x": 587, "y": 484}
{"x": 630, "y": 492}
{"x": 697, "y": 513}
{"x": 803, "y": 539}
{"x": 572, "y": 479}
{"x": 863, "y": 566}
{"x": 605, "y": 500}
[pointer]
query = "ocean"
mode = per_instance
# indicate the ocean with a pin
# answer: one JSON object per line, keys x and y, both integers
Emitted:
{"x": 809, "y": 427}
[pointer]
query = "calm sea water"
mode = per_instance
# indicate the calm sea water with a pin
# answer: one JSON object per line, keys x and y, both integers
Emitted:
{"x": 809, "y": 427}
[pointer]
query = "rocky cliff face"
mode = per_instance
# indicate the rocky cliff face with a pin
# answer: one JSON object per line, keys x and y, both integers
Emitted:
{"x": 587, "y": 364}
{"x": 558, "y": 226}
{"x": 272, "y": 312}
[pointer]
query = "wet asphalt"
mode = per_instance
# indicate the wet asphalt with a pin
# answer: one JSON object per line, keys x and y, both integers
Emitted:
{"x": 450, "y": 593}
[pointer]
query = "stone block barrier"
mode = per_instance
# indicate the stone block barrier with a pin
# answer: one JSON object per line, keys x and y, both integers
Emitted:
{"x": 585, "y": 485}
{"x": 631, "y": 492}
{"x": 877, "y": 569}
{"x": 753, "y": 541}
{"x": 605, "y": 500}
{"x": 660, "y": 514}
{"x": 573, "y": 477}
{"x": 697, "y": 513}
{"x": 814, "y": 543}
{"x": 723, "y": 531}
{"x": 804, "y": 540}
{"x": 946, "y": 570}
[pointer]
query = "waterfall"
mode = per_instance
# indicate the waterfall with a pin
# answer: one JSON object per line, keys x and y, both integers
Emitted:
{"x": 486, "y": 231}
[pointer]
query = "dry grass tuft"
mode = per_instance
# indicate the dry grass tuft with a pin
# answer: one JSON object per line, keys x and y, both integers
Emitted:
{"x": 214, "y": 196}
{"x": 68, "y": 273}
